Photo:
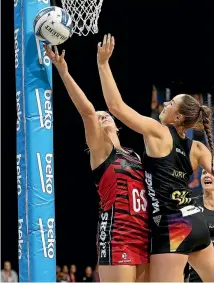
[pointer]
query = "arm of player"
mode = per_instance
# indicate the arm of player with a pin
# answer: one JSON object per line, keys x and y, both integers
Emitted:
{"x": 204, "y": 157}
{"x": 132, "y": 119}
{"x": 93, "y": 132}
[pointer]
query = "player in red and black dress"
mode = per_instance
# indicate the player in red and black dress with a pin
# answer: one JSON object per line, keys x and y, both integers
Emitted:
{"x": 123, "y": 221}
{"x": 178, "y": 229}
{"x": 123, "y": 234}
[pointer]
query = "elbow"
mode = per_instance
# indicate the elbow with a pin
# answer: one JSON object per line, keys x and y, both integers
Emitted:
{"x": 114, "y": 108}
{"x": 86, "y": 113}
{"x": 88, "y": 110}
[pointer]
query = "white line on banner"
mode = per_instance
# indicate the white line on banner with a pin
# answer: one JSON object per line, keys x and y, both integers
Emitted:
{"x": 38, "y": 49}
{"x": 40, "y": 171}
{"x": 39, "y": 107}
{"x": 43, "y": 237}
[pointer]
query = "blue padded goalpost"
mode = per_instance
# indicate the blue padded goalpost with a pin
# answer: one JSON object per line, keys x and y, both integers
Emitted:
{"x": 34, "y": 159}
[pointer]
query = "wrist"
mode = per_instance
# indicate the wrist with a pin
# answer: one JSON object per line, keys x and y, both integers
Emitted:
{"x": 63, "y": 73}
{"x": 102, "y": 65}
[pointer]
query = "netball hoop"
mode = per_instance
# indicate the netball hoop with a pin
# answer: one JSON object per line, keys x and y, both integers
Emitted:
{"x": 85, "y": 15}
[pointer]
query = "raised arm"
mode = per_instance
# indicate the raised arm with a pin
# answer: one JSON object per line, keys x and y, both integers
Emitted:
{"x": 93, "y": 132}
{"x": 132, "y": 119}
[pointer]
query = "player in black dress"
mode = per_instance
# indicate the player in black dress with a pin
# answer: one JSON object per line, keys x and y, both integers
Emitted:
{"x": 207, "y": 205}
{"x": 179, "y": 232}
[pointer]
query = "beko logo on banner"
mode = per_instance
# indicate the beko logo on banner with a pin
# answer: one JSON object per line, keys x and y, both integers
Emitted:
{"x": 19, "y": 176}
{"x": 46, "y": 176}
{"x": 46, "y": 59}
{"x": 16, "y": 47}
{"x": 48, "y": 247}
{"x": 20, "y": 235}
{"x": 47, "y": 120}
{"x": 18, "y": 110}
{"x": 16, "y": 3}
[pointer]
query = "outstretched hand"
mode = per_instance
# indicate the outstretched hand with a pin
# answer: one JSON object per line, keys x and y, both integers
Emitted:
{"x": 105, "y": 49}
{"x": 57, "y": 60}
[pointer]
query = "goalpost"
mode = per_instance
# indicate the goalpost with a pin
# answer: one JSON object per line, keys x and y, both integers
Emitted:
{"x": 34, "y": 154}
{"x": 34, "y": 160}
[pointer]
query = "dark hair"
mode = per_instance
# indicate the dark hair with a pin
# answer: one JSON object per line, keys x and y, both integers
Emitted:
{"x": 198, "y": 117}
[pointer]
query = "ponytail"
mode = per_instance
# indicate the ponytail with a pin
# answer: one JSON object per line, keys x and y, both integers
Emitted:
{"x": 197, "y": 117}
{"x": 207, "y": 123}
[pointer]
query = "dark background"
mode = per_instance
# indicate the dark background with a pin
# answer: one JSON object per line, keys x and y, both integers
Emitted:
{"x": 170, "y": 45}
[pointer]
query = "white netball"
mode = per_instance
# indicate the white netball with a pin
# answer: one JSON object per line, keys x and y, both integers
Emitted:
{"x": 53, "y": 25}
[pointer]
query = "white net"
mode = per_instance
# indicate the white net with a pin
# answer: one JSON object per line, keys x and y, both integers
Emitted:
{"x": 85, "y": 15}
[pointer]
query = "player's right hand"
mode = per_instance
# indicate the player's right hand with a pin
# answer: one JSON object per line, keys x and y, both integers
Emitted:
{"x": 57, "y": 60}
{"x": 105, "y": 49}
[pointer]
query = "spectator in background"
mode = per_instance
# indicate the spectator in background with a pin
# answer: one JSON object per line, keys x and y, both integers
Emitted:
{"x": 155, "y": 113}
{"x": 64, "y": 278}
{"x": 95, "y": 274}
{"x": 58, "y": 274}
{"x": 65, "y": 273}
{"x": 156, "y": 106}
{"x": 7, "y": 274}
{"x": 197, "y": 136}
{"x": 88, "y": 275}
{"x": 73, "y": 271}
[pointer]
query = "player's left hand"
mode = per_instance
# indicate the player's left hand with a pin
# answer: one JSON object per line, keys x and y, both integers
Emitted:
{"x": 105, "y": 49}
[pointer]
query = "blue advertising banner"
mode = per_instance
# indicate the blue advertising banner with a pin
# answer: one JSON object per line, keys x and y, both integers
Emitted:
{"x": 20, "y": 145}
{"x": 34, "y": 149}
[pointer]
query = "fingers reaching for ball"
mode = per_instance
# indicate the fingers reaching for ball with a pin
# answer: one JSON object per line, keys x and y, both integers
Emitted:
{"x": 108, "y": 43}
{"x": 63, "y": 54}
{"x": 56, "y": 53}
{"x": 105, "y": 49}
{"x": 49, "y": 53}
{"x": 58, "y": 60}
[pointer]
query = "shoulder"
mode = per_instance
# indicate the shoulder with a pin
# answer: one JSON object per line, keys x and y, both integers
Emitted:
{"x": 200, "y": 150}
{"x": 169, "y": 130}
{"x": 166, "y": 132}
{"x": 198, "y": 147}
{"x": 198, "y": 143}
{"x": 13, "y": 272}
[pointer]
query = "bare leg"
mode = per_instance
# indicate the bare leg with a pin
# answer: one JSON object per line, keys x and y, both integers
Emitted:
{"x": 117, "y": 273}
{"x": 142, "y": 272}
{"x": 203, "y": 263}
{"x": 167, "y": 267}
